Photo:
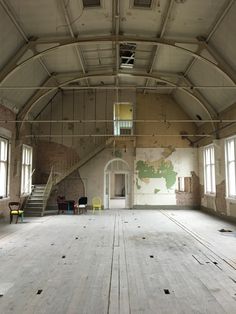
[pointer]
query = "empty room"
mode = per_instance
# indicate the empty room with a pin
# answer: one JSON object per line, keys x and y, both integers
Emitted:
{"x": 117, "y": 157}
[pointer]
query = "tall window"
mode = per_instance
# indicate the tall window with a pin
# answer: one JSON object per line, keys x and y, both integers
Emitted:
{"x": 230, "y": 149}
{"x": 209, "y": 169}
{"x": 26, "y": 170}
{"x": 4, "y": 166}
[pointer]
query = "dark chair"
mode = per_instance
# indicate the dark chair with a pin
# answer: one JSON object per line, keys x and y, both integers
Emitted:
{"x": 15, "y": 210}
{"x": 81, "y": 206}
{"x": 62, "y": 204}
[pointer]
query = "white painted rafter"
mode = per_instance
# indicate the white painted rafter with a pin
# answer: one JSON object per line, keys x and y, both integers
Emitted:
{"x": 17, "y": 56}
{"x": 60, "y": 43}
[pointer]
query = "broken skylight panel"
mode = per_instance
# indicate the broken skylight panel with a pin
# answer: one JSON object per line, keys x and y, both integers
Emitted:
{"x": 91, "y": 3}
{"x": 142, "y": 3}
{"x": 127, "y": 55}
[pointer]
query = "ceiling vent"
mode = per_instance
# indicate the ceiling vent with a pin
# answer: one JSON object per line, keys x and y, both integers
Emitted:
{"x": 127, "y": 55}
{"x": 142, "y": 3}
{"x": 91, "y": 3}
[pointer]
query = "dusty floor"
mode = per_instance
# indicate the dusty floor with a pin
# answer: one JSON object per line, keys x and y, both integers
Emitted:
{"x": 122, "y": 261}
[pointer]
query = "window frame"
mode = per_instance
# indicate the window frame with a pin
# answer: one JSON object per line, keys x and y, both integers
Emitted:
{"x": 227, "y": 170}
{"x": 7, "y": 166}
{"x": 181, "y": 184}
{"x": 26, "y": 170}
{"x": 209, "y": 168}
{"x": 121, "y": 124}
{"x": 140, "y": 7}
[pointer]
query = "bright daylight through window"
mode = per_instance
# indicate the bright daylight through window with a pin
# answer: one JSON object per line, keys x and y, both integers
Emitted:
{"x": 4, "y": 166}
{"x": 230, "y": 156}
{"x": 209, "y": 169}
{"x": 26, "y": 170}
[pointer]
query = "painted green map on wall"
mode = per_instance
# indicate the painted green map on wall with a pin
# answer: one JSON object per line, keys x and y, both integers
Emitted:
{"x": 161, "y": 168}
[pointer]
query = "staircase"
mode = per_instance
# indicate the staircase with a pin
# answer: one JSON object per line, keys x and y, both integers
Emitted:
{"x": 34, "y": 203}
{"x": 81, "y": 162}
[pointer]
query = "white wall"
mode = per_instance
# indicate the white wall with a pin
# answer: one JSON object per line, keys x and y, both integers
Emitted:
{"x": 92, "y": 173}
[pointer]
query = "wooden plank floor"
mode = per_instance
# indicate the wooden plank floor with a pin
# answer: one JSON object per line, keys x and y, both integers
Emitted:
{"x": 121, "y": 261}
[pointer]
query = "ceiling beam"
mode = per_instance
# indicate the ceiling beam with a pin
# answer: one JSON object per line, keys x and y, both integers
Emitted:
{"x": 77, "y": 49}
{"x": 112, "y": 120}
{"x": 195, "y": 91}
{"x": 116, "y": 44}
{"x": 23, "y": 35}
{"x": 13, "y": 62}
{"x": 14, "y": 20}
{"x": 40, "y": 94}
{"x": 114, "y": 87}
{"x": 157, "y": 73}
{"x": 214, "y": 28}
{"x": 163, "y": 29}
{"x": 220, "y": 18}
{"x": 117, "y": 136}
{"x": 118, "y": 39}
{"x": 221, "y": 62}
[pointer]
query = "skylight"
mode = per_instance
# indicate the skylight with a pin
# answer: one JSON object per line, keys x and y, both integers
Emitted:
{"x": 91, "y": 3}
{"x": 142, "y": 3}
{"x": 127, "y": 54}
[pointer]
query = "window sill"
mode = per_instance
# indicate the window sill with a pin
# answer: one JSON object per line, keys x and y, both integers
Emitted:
{"x": 231, "y": 199}
{"x": 25, "y": 195}
{"x": 4, "y": 199}
{"x": 210, "y": 194}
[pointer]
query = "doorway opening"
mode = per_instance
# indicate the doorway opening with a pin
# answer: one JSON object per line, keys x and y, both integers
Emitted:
{"x": 117, "y": 184}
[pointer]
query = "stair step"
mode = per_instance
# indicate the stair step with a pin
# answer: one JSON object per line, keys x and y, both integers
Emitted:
{"x": 36, "y": 197}
{"x": 36, "y": 201}
{"x": 34, "y": 207}
{"x": 37, "y": 192}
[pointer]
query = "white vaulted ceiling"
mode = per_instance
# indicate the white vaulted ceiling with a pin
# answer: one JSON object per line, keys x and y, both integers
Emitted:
{"x": 190, "y": 45}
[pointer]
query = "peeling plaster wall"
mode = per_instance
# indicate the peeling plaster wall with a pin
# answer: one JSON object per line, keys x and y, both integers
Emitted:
{"x": 80, "y": 105}
{"x": 156, "y": 175}
{"x": 99, "y": 105}
{"x": 161, "y": 107}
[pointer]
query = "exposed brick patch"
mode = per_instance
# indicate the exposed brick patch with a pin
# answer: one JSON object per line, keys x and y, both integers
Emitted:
{"x": 71, "y": 187}
{"x": 220, "y": 198}
{"x": 192, "y": 196}
{"x": 50, "y": 154}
